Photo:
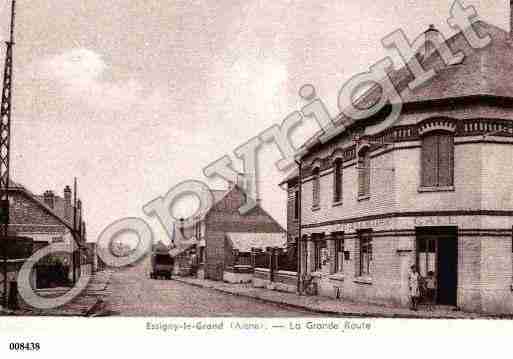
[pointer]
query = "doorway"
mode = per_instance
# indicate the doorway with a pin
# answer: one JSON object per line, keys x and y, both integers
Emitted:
{"x": 437, "y": 251}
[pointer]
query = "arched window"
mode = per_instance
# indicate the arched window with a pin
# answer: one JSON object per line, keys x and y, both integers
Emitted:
{"x": 337, "y": 180}
{"x": 364, "y": 172}
{"x": 437, "y": 167}
{"x": 316, "y": 187}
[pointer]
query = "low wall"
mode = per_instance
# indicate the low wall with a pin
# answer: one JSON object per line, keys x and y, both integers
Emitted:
{"x": 238, "y": 274}
{"x": 284, "y": 281}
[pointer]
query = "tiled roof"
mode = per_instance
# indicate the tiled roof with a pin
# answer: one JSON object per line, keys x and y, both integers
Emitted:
{"x": 57, "y": 211}
{"x": 218, "y": 194}
{"x": 486, "y": 71}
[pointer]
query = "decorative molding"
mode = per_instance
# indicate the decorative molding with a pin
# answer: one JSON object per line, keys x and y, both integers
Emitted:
{"x": 412, "y": 214}
{"x": 408, "y": 133}
{"x": 437, "y": 124}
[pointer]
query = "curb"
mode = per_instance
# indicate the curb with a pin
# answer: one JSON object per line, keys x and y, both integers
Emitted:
{"x": 334, "y": 312}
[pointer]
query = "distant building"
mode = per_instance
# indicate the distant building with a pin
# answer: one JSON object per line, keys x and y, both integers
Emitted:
{"x": 209, "y": 235}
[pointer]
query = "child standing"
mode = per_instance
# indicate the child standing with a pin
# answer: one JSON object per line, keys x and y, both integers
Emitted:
{"x": 431, "y": 289}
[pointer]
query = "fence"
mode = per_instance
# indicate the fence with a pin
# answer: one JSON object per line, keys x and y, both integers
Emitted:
{"x": 275, "y": 269}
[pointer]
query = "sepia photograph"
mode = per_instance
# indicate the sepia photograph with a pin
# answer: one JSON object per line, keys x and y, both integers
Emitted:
{"x": 329, "y": 168}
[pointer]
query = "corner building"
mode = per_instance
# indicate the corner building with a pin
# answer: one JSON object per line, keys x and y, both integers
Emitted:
{"x": 433, "y": 189}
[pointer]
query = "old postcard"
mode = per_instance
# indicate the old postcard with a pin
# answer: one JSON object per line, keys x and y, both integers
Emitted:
{"x": 263, "y": 169}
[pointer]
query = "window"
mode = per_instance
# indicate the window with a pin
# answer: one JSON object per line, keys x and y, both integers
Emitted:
{"x": 437, "y": 159}
{"x": 202, "y": 255}
{"x": 364, "y": 173}
{"x": 426, "y": 249}
{"x": 339, "y": 254}
{"x": 320, "y": 253}
{"x": 316, "y": 187}
{"x": 296, "y": 205}
{"x": 337, "y": 180}
{"x": 365, "y": 253}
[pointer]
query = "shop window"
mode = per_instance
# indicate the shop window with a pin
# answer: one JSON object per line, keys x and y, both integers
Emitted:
{"x": 437, "y": 159}
{"x": 339, "y": 255}
{"x": 316, "y": 187}
{"x": 321, "y": 256}
{"x": 365, "y": 238}
{"x": 426, "y": 249}
{"x": 337, "y": 180}
{"x": 364, "y": 173}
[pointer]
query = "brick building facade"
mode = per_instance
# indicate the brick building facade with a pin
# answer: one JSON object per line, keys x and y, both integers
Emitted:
{"x": 47, "y": 219}
{"x": 214, "y": 248}
{"x": 432, "y": 189}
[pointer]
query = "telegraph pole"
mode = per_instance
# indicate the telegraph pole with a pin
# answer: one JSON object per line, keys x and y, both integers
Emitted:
{"x": 5, "y": 144}
{"x": 74, "y": 242}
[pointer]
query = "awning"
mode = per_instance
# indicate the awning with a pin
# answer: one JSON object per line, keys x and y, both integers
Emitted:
{"x": 243, "y": 242}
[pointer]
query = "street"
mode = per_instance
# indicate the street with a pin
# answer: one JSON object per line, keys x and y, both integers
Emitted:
{"x": 132, "y": 293}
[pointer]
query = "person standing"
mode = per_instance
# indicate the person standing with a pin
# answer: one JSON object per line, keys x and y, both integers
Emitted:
{"x": 431, "y": 289}
{"x": 194, "y": 264}
{"x": 413, "y": 282}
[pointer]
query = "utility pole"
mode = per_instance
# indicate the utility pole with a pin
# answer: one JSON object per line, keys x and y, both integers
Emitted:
{"x": 5, "y": 145}
{"x": 74, "y": 235}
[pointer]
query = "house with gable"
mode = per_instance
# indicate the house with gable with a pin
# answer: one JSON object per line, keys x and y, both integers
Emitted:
{"x": 218, "y": 237}
{"x": 46, "y": 219}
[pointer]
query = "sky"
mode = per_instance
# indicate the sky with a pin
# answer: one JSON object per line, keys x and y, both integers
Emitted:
{"x": 133, "y": 97}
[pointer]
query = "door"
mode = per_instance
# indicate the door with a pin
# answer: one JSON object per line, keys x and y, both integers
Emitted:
{"x": 437, "y": 251}
{"x": 447, "y": 270}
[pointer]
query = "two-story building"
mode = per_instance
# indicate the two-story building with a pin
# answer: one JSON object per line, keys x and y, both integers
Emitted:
{"x": 217, "y": 236}
{"x": 433, "y": 189}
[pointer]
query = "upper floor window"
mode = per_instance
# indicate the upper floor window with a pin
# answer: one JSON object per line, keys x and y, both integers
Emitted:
{"x": 364, "y": 172}
{"x": 337, "y": 180}
{"x": 316, "y": 187}
{"x": 437, "y": 168}
{"x": 296, "y": 205}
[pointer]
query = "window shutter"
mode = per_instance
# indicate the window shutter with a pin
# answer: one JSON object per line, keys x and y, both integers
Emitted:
{"x": 429, "y": 160}
{"x": 445, "y": 159}
{"x": 364, "y": 174}
{"x": 337, "y": 181}
{"x": 367, "y": 172}
{"x": 316, "y": 187}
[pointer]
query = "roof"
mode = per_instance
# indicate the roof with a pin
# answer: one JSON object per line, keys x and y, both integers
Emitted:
{"x": 245, "y": 241}
{"x": 482, "y": 72}
{"x": 218, "y": 194}
{"x": 485, "y": 71}
{"x": 57, "y": 212}
{"x": 58, "y": 206}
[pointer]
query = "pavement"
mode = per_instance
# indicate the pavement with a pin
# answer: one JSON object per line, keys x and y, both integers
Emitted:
{"x": 89, "y": 303}
{"x": 333, "y": 307}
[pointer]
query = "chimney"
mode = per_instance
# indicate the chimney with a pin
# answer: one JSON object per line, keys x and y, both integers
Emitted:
{"x": 79, "y": 212}
{"x": 49, "y": 198}
{"x": 68, "y": 213}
